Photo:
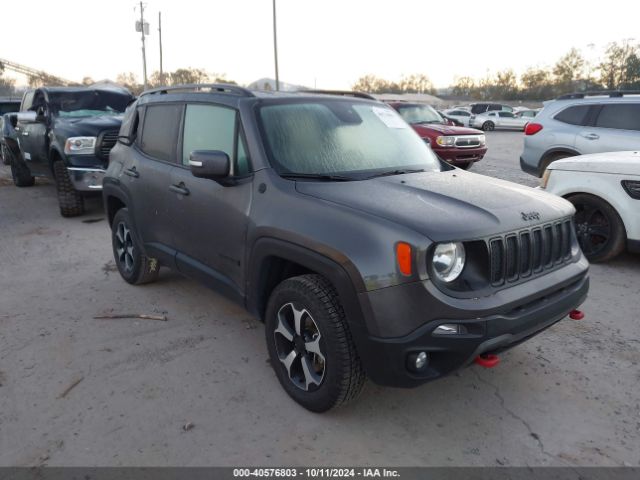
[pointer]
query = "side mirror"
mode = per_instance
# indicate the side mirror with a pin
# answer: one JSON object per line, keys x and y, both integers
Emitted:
{"x": 27, "y": 117}
{"x": 212, "y": 164}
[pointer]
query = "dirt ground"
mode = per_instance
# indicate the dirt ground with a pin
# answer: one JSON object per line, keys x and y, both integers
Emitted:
{"x": 80, "y": 391}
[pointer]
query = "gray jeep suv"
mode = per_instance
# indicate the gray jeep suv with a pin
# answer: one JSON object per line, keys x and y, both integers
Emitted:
{"x": 581, "y": 123}
{"x": 332, "y": 221}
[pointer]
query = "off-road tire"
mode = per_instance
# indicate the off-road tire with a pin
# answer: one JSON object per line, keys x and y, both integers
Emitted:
{"x": 143, "y": 269}
{"x": 488, "y": 126}
{"x": 344, "y": 375}
{"x": 20, "y": 172}
{"x": 605, "y": 214}
{"x": 70, "y": 200}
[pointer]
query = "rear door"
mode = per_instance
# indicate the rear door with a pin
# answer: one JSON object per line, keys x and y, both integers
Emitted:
{"x": 508, "y": 120}
{"x": 210, "y": 218}
{"x": 146, "y": 175}
{"x": 616, "y": 127}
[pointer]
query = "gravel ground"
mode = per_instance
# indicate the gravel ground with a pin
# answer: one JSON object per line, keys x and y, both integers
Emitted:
{"x": 80, "y": 391}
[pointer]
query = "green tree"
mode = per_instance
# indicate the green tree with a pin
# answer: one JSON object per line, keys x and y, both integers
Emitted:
{"x": 568, "y": 70}
{"x": 619, "y": 68}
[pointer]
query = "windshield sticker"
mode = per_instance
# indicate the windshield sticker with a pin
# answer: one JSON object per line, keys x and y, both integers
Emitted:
{"x": 390, "y": 118}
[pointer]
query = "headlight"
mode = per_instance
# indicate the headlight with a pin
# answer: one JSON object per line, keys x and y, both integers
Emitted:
{"x": 80, "y": 145}
{"x": 545, "y": 178}
{"x": 446, "y": 141}
{"x": 448, "y": 261}
{"x": 482, "y": 139}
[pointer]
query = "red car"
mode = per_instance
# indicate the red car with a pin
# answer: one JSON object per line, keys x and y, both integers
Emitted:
{"x": 459, "y": 146}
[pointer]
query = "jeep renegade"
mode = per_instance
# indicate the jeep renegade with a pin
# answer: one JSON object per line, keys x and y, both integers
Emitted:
{"x": 332, "y": 221}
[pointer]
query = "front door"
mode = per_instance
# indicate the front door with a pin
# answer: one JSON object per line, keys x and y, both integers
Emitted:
{"x": 210, "y": 218}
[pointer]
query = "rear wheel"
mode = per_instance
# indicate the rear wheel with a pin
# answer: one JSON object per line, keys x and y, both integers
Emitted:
{"x": 135, "y": 267}
{"x": 20, "y": 172}
{"x": 488, "y": 126}
{"x": 310, "y": 345}
{"x": 599, "y": 228}
{"x": 70, "y": 200}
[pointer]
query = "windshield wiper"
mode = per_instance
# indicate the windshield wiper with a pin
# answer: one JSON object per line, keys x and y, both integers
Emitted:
{"x": 397, "y": 172}
{"x": 319, "y": 176}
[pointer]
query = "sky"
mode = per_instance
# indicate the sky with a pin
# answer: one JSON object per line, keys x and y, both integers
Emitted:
{"x": 324, "y": 44}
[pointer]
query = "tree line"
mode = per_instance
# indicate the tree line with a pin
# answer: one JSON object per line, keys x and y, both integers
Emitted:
{"x": 619, "y": 69}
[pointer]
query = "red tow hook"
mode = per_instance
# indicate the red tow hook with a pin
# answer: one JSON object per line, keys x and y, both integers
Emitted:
{"x": 576, "y": 315}
{"x": 488, "y": 360}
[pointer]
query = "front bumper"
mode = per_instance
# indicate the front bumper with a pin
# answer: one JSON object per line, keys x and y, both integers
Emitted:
{"x": 458, "y": 156}
{"x": 385, "y": 359}
{"x": 86, "y": 179}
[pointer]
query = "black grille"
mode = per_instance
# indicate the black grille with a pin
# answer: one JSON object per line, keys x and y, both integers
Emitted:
{"x": 106, "y": 143}
{"x": 516, "y": 256}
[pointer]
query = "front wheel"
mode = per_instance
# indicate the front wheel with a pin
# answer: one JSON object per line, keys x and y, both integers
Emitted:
{"x": 69, "y": 199}
{"x": 599, "y": 228}
{"x": 134, "y": 266}
{"x": 310, "y": 345}
{"x": 488, "y": 126}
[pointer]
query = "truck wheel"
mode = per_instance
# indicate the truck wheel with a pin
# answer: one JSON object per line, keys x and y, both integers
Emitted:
{"x": 70, "y": 200}
{"x": 5, "y": 154}
{"x": 310, "y": 345}
{"x": 599, "y": 228}
{"x": 20, "y": 172}
{"x": 134, "y": 266}
{"x": 488, "y": 126}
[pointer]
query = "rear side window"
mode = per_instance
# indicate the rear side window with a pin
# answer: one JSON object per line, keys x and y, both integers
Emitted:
{"x": 620, "y": 116}
{"x": 506, "y": 114}
{"x": 479, "y": 108}
{"x": 573, "y": 115}
{"x": 160, "y": 131}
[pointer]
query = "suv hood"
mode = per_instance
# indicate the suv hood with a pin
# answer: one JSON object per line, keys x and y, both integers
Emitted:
{"x": 89, "y": 126}
{"x": 444, "y": 206}
{"x": 431, "y": 128}
{"x": 621, "y": 163}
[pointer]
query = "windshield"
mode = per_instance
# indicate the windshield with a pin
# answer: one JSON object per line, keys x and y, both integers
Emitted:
{"x": 88, "y": 103}
{"x": 419, "y": 114}
{"x": 327, "y": 137}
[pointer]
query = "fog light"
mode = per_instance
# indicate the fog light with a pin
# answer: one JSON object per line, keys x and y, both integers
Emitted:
{"x": 417, "y": 361}
{"x": 450, "y": 329}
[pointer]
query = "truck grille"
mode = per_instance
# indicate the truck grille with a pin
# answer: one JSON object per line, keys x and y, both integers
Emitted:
{"x": 106, "y": 142}
{"x": 520, "y": 254}
{"x": 467, "y": 141}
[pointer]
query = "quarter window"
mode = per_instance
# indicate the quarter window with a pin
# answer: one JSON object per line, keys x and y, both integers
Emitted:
{"x": 620, "y": 116}
{"x": 160, "y": 131}
{"x": 573, "y": 115}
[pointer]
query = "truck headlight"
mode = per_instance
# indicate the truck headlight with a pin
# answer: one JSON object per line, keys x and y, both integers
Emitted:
{"x": 448, "y": 261}
{"x": 80, "y": 145}
{"x": 482, "y": 139}
{"x": 446, "y": 141}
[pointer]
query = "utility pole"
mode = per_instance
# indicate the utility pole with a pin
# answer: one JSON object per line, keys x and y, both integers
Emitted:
{"x": 275, "y": 46}
{"x": 144, "y": 53}
{"x": 160, "y": 36}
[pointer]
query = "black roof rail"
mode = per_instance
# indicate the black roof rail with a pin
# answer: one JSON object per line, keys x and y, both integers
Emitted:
{"x": 196, "y": 87}
{"x": 607, "y": 93}
{"x": 344, "y": 93}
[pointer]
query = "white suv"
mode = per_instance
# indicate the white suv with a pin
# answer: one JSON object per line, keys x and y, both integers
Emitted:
{"x": 605, "y": 189}
{"x": 581, "y": 123}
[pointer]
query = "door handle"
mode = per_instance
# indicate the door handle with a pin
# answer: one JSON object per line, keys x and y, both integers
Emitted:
{"x": 25, "y": 134}
{"x": 132, "y": 172}
{"x": 179, "y": 189}
{"x": 591, "y": 136}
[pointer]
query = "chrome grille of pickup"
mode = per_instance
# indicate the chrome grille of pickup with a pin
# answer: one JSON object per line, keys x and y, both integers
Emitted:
{"x": 520, "y": 254}
{"x": 106, "y": 142}
{"x": 467, "y": 141}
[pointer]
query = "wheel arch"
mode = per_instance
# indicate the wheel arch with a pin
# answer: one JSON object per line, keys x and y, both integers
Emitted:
{"x": 545, "y": 160}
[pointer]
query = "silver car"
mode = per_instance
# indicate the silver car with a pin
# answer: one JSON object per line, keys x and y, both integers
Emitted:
{"x": 459, "y": 114}
{"x": 498, "y": 120}
{"x": 581, "y": 123}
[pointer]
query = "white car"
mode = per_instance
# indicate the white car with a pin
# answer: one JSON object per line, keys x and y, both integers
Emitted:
{"x": 605, "y": 189}
{"x": 459, "y": 114}
{"x": 497, "y": 119}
